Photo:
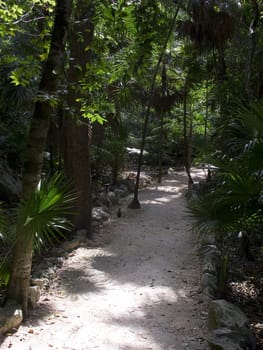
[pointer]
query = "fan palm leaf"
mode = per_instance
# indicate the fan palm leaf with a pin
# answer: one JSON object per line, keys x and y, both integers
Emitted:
{"x": 231, "y": 203}
{"x": 211, "y": 216}
{"x": 244, "y": 130}
{"x": 45, "y": 214}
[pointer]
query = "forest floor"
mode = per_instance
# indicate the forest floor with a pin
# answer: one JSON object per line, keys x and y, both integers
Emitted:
{"x": 137, "y": 289}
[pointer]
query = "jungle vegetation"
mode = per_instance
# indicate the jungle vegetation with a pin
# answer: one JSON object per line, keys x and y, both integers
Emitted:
{"x": 82, "y": 80}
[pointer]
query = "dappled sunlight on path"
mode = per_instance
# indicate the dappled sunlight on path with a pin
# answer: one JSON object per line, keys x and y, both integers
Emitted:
{"x": 138, "y": 292}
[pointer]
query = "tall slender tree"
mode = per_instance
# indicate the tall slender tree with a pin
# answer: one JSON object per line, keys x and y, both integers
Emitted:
{"x": 135, "y": 204}
{"x": 18, "y": 287}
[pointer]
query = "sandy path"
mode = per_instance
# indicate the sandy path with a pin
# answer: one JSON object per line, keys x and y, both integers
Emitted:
{"x": 137, "y": 292}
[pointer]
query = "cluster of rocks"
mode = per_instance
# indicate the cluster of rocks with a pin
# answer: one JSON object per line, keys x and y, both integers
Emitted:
{"x": 228, "y": 326}
{"x": 112, "y": 195}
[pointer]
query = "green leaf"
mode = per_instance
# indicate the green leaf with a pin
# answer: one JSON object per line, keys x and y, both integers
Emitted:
{"x": 44, "y": 214}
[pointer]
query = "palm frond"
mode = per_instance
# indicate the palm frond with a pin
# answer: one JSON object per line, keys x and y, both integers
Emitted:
{"x": 211, "y": 216}
{"x": 45, "y": 214}
{"x": 244, "y": 129}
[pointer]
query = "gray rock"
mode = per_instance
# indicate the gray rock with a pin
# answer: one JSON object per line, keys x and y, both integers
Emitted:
{"x": 40, "y": 282}
{"x": 11, "y": 316}
{"x": 228, "y": 327}
{"x": 210, "y": 292}
{"x": 209, "y": 240}
{"x": 211, "y": 263}
{"x": 227, "y": 339}
{"x": 98, "y": 204}
{"x": 50, "y": 273}
{"x": 71, "y": 245}
{"x": 115, "y": 199}
{"x": 222, "y": 344}
{"x": 40, "y": 267}
{"x": 50, "y": 261}
{"x": 209, "y": 284}
{"x": 57, "y": 251}
{"x": 34, "y": 295}
{"x": 125, "y": 189}
{"x": 106, "y": 201}
{"x": 211, "y": 252}
{"x": 130, "y": 184}
{"x": 60, "y": 260}
{"x": 98, "y": 214}
{"x": 119, "y": 192}
{"x": 222, "y": 314}
{"x": 209, "y": 266}
{"x": 81, "y": 235}
{"x": 95, "y": 226}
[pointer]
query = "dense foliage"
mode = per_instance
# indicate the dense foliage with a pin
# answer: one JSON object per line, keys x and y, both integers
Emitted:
{"x": 185, "y": 75}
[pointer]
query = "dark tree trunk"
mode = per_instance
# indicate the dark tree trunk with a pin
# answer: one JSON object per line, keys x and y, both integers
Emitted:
{"x": 77, "y": 164}
{"x": 18, "y": 287}
{"x": 77, "y": 129}
{"x": 221, "y": 77}
{"x": 252, "y": 47}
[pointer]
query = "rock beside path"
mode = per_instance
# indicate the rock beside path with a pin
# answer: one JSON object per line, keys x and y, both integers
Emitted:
{"x": 11, "y": 317}
{"x": 229, "y": 327}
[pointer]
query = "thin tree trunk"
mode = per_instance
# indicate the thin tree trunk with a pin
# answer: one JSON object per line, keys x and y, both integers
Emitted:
{"x": 221, "y": 77}
{"x": 135, "y": 204}
{"x": 161, "y": 140}
{"x": 206, "y": 110}
{"x": 18, "y": 287}
{"x": 190, "y": 145}
{"x": 187, "y": 145}
{"x": 252, "y": 47}
{"x": 161, "y": 134}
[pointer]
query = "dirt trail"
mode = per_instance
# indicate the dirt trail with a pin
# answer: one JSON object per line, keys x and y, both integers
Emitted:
{"x": 140, "y": 291}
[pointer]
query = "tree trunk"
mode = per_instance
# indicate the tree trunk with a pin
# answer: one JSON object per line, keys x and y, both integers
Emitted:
{"x": 252, "y": 47}
{"x": 77, "y": 129}
{"x": 77, "y": 164}
{"x": 190, "y": 145}
{"x": 164, "y": 90}
{"x": 135, "y": 204}
{"x": 187, "y": 145}
{"x": 18, "y": 287}
{"x": 206, "y": 111}
{"x": 221, "y": 77}
{"x": 161, "y": 150}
